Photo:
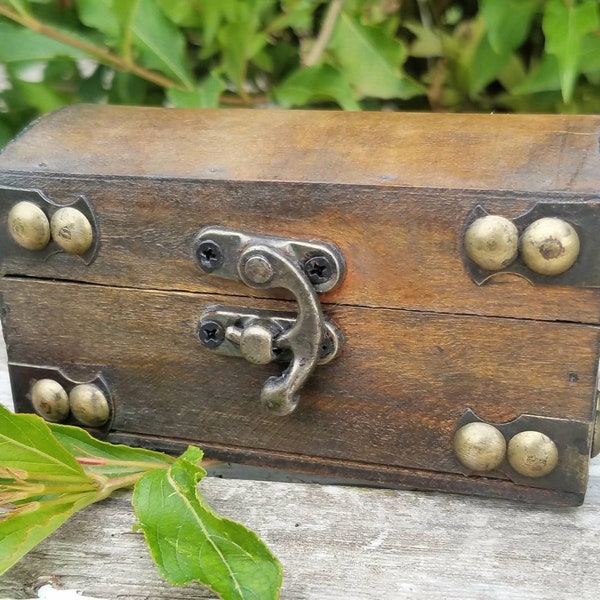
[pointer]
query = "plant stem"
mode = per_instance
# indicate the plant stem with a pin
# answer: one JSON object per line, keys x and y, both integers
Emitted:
{"x": 333, "y": 12}
{"x": 100, "y": 54}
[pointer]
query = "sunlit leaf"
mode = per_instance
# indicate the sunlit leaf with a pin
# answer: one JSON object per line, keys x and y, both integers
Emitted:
{"x": 189, "y": 542}
{"x": 371, "y": 61}
{"x": 18, "y": 44}
{"x": 565, "y": 24}
{"x": 508, "y": 22}
{"x": 107, "y": 459}
{"x": 160, "y": 42}
{"x": 319, "y": 83}
{"x": 206, "y": 94}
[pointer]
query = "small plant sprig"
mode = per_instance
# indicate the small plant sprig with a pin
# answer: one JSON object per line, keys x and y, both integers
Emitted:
{"x": 48, "y": 472}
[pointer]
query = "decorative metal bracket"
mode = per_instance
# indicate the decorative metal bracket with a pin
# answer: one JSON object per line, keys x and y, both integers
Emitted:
{"x": 583, "y": 217}
{"x": 40, "y": 227}
{"x": 261, "y": 262}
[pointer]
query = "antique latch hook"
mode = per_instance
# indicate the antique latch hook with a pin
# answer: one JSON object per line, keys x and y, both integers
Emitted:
{"x": 260, "y": 262}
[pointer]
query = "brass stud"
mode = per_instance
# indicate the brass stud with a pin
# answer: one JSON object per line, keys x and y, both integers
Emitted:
{"x": 492, "y": 242}
{"x": 479, "y": 446}
{"x": 550, "y": 246}
{"x": 50, "y": 400}
{"x": 71, "y": 230}
{"x": 89, "y": 405}
{"x": 532, "y": 453}
{"x": 28, "y": 226}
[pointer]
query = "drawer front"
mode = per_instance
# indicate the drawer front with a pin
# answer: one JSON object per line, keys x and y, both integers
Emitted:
{"x": 394, "y": 398}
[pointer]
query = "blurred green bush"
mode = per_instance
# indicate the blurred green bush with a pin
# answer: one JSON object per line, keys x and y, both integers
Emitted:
{"x": 448, "y": 55}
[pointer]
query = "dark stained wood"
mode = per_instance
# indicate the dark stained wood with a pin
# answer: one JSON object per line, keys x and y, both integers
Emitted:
{"x": 402, "y": 247}
{"x": 394, "y": 397}
{"x": 393, "y": 191}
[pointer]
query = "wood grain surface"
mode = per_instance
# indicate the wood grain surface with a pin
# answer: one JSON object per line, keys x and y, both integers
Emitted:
{"x": 397, "y": 391}
{"x": 391, "y": 190}
{"x": 342, "y": 543}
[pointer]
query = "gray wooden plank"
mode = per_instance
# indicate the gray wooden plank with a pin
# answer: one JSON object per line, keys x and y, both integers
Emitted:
{"x": 342, "y": 543}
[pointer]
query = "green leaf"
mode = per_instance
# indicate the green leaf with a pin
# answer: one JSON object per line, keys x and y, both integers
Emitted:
{"x": 19, "y": 44}
{"x": 370, "y": 61}
{"x": 206, "y": 94}
{"x": 182, "y": 12}
{"x": 27, "y": 445}
{"x": 41, "y": 485}
{"x": 545, "y": 78}
{"x": 110, "y": 460}
{"x": 589, "y": 59}
{"x": 160, "y": 42}
{"x": 565, "y": 23}
{"x": 25, "y": 528}
{"x": 239, "y": 43}
{"x": 100, "y": 15}
{"x": 318, "y": 83}
{"x": 485, "y": 66}
{"x": 189, "y": 542}
{"x": 508, "y": 22}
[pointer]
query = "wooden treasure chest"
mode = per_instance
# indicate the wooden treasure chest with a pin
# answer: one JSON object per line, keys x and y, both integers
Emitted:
{"x": 409, "y": 300}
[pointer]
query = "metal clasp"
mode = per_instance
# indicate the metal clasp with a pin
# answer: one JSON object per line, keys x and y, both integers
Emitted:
{"x": 304, "y": 340}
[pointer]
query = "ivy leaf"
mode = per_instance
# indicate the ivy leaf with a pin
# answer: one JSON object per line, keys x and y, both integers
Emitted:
{"x": 371, "y": 61}
{"x": 508, "y": 22}
{"x": 189, "y": 542}
{"x": 564, "y": 25}
{"x": 315, "y": 84}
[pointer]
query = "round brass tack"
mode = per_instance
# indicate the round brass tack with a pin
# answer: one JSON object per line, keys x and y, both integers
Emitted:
{"x": 532, "y": 454}
{"x": 29, "y": 226}
{"x": 89, "y": 405}
{"x": 50, "y": 400}
{"x": 71, "y": 230}
{"x": 492, "y": 242}
{"x": 479, "y": 446}
{"x": 550, "y": 246}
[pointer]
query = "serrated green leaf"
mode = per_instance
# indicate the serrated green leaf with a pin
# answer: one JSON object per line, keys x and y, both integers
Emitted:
{"x": 318, "y": 83}
{"x": 19, "y": 44}
{"x": 371, "y": 61}
{"x": 27, "y": 444}
{"x": 508, "y": 22}
{"x": 564, "y": 25}
{"x": 189, "y": 542}
{"x": 119, "y": 460}
{"x": 160, "y": 42}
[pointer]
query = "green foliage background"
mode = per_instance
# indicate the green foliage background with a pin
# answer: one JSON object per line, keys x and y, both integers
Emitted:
{"x": 447, "y": 55}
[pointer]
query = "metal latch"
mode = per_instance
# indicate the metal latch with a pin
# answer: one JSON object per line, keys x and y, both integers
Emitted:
{"x": 305, "y": 340}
